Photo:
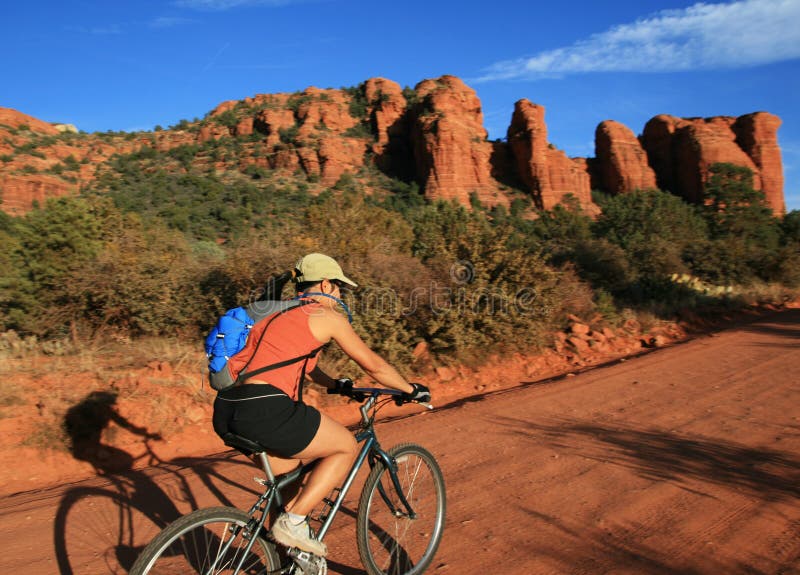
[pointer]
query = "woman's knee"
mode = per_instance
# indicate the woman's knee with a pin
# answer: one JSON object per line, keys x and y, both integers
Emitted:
{"x": 331, "y": 438}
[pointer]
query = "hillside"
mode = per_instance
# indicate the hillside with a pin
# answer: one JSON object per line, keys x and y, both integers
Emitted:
{"x": 471, "y": 256}
{"x": 431, "y": 135}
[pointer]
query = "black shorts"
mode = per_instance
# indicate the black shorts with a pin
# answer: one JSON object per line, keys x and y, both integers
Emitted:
{"x": 266, "y": 415}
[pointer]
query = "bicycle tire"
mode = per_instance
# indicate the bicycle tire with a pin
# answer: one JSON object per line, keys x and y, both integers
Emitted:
{"x": 98, "y": 530}
{"x": 391, "y": 545}
{"x": 192, "y": 545}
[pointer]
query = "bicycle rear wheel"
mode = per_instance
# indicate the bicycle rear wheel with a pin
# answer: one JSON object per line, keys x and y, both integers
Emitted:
{"x": 389, "y": 541}
{"x": 207, "y": 541}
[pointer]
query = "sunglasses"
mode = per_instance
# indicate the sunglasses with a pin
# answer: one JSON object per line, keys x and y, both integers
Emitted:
{"x": 343, "y": 287}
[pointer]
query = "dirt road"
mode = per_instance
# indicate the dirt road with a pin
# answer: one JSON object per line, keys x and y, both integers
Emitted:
{"x": 685, "y": 460}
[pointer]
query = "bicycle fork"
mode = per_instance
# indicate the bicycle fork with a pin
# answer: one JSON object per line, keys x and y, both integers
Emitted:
{"x": 373, "y": 450}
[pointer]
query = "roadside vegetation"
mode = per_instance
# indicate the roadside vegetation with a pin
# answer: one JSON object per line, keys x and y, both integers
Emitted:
{"x": 150, "y": 252}
{"x": 134, "y": 271}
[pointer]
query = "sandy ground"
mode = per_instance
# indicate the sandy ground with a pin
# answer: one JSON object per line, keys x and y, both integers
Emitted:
{"x": 681, "y": 461}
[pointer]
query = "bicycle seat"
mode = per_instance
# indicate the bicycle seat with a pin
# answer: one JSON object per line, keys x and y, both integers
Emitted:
{"x": 246, "y": 446}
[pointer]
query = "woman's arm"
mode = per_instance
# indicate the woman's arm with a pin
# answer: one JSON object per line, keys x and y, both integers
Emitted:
{"x": 331, "y": 325}
{"x": 320, "y": 377}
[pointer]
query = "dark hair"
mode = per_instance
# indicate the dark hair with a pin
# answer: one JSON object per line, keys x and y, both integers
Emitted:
{"x": 304, "y": 286}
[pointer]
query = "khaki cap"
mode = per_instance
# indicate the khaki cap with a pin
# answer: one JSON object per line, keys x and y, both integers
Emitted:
{"x": 318, "y": 267}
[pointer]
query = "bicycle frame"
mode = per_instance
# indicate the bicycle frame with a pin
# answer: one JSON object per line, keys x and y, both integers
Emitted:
{"x": 370, "y": 450}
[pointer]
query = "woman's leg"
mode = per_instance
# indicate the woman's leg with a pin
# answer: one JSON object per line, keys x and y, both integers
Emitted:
{"x": 336, "y": 449}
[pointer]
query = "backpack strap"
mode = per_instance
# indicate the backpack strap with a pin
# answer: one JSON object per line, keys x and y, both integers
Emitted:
{"x": 244, "y": 374}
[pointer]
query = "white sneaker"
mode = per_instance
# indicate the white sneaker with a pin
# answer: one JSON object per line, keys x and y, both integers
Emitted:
{"x": 301, "y": 536}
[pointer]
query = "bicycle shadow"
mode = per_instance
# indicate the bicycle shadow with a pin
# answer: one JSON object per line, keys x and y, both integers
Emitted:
{"x": 102, "y": 525}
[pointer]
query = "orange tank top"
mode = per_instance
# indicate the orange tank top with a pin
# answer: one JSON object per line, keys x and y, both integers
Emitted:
{"x": 287, "y": 336}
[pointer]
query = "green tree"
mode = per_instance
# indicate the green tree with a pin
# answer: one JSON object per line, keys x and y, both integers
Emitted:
{"x": 744, "y": 235}
{"x": 653, "y": 228}
{"x": 57, "y": 243}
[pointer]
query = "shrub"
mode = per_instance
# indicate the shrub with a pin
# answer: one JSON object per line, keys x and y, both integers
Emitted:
{"x": 745, "y": 235}
{"x": 653, "y": 228}
{"x": 358, "y": 101}
{"x": 489, "y": 291}
{"x": 289, "y": 135}
{"x": 71, "y": 164}
{"x": 227, "y": 119}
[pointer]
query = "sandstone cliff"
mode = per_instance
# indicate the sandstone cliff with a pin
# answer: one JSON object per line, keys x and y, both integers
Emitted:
{"x": 620, "y": 159}
{"x": 433, "y": 135}
{"x": 681, "y": 150}
{"x": 450, "y": 143}
{"x": 548, "y": 174}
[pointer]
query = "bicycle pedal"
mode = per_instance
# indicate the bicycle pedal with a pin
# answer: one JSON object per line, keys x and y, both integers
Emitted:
{"x": 307, "y": 563}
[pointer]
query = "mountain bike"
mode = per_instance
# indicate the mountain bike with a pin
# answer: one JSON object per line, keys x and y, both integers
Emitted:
{"x": 399, "y": 521}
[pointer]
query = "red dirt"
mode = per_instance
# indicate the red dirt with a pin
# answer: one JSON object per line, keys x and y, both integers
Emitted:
{"x": 685, "y": 460}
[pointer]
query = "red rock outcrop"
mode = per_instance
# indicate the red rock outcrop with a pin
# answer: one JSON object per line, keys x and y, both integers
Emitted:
{"x": 621, "y": 160}
{"x": 324, "y": 110}
{"x": 19, "y": 193}
{"x": 436, "y": 138}
{"x": 271, "y": 121}
{"x": 389, "y": 119}
{"x": 14, "y": 119}
{"x": 681, "y": 151}
{"x": 450, "y": 147}
{"x": 547, "y": 172}
{"x": 757, "y": 134}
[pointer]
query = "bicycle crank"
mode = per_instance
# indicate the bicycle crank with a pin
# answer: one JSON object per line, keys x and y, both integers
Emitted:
{"x": 307, "y": 563}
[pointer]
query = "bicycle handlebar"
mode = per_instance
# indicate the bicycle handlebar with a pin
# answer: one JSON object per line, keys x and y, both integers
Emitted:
{"x": 371, "y": 394}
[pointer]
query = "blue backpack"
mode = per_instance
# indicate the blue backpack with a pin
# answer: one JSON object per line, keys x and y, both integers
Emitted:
{"x": 229, "y": 336}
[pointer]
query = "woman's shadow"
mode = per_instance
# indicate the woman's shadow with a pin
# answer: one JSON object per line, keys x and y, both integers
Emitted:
{"x": 85, "y": 423}
{"x": 130, "y": 493}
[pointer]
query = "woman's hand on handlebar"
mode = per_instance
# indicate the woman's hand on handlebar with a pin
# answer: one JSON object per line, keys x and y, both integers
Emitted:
{"x": 345, "y": 386}
{"x": 420, "y": 394}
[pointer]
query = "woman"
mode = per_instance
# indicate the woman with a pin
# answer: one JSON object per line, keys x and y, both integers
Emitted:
{"x": 268, "y": 408}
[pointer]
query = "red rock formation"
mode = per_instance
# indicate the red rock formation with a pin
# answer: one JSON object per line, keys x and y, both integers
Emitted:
{"x": 271, "y": 121}
{"x": 211, "y": 132}
{"x": 449, "y": 139}
{"x": 244, "y": 127}
{"x": 19, "y": 193}
{"x": 326, "y": 110}
{"x": 547, "y": 172}
{"x": 657, "y": 140}
{"x": 698, "y": 146}
{"x": 389, "y": 118}
{"x": 14, "y": 119}
{"x": 681, "y": 151}
{"x": 757, "y": 134}
{"x": 621, "y": 159}
{"x": 439, "y": 140}
{"x": 387, "y": 107}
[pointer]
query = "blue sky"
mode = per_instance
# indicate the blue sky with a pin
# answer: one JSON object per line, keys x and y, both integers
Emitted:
{"x": 125, "y": 65}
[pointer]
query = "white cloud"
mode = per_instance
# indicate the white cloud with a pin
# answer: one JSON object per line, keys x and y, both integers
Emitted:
{"x": 220, "y": 5}
{"x": 704, "y": 36}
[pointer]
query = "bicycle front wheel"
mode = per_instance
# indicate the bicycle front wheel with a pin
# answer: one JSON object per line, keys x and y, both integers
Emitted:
{"x": 390, "y": 542}
{"x": 207, "y": 541}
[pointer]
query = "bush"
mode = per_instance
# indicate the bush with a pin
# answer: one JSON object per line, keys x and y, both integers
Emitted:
{"x": 52, "y": 246}
{"x": 653, "y": 228}
{"x": 744, "y": 234}
{"x": 489, "y": 291}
